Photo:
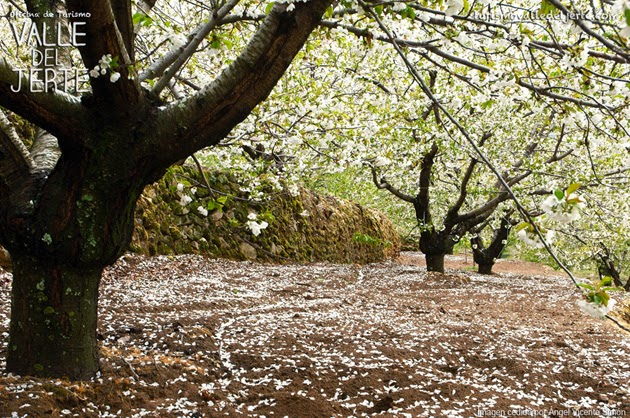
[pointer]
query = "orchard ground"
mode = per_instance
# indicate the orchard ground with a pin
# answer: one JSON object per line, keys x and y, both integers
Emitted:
{"x": 188, "y": 336}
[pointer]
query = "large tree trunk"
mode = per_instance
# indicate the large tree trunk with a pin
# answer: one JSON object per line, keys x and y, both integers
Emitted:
{"x": 53, "y": 319}
{"x": 434, "y": 246}
{"x": 435, "y": 262}
{"x": 79, "y": 225}
{"x": 64, "y": 226}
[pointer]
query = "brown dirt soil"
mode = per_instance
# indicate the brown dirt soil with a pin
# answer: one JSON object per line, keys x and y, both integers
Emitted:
{"x": 191, "y": 337}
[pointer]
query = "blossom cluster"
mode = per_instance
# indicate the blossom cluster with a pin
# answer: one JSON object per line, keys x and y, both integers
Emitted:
{"x": 564, "y": 209}
{"x": 255, "y": 226}
{"x": 105, "y": 65}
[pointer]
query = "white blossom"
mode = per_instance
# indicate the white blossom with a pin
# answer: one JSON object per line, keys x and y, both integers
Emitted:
{"x": 595, "y": 310}
{"x": 202, "y": 211}
{"x": 453, "y": 7}
{"x": 185, "y": 200}
{"x": 256, "y": 227}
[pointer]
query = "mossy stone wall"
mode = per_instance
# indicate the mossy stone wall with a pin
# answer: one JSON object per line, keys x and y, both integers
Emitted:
{"x": 304, "y": 228}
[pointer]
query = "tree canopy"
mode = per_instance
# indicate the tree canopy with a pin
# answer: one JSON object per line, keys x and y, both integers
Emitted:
{"x": 455, "y": 106}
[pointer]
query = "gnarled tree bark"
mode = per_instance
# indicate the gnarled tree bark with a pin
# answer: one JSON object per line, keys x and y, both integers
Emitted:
{"x": 71, "y": 213}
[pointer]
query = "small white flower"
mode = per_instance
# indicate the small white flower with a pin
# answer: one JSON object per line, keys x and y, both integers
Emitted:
{"x": 454, "y": 7}
{"x": 304, "y": 213}
{"x": 103, "y": 71}
{"x": 596, "y": 311}
{"x": 178, "y": 40}
{"x": 256, "y": 227}
{"x": 290, "y": 7}
{"x": 399, "y": 7}
{"x": 180, "y": 187}
{"x": 114, "y": 77}
{"x": 252, "y": 216}
{"x": 625, "y": 32}
{"x": 185, "y": 200}
{"x": 94, "y": 73}
{"x": 202, "y": 211}
{"x": 381, "y": 161}
{"x": 531, "y": 238}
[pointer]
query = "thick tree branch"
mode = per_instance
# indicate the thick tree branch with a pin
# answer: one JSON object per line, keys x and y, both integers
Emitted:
{"x": 57, "y": 112}
{"x": 175, "y": 60}
{"x": 463, "y": 191}
{"x": 422, "y": 201}
{"x": 384, "y": 184}
{"x": 45, "y": 152}
{"x": 103, "y": 37}
{"x": 122, "y": 13}
{"x": 208, "y": 116}
{"x": 15, "y": 160}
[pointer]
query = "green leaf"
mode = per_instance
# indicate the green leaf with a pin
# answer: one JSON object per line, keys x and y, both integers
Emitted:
{"x": 329, "y": 11}
{"x": 626, "y": 14}
{"x": 613, "y": 289}
{"x": 466, "y": 6}
{"x": 605, "y": 281}
{"x": 213, "y": 204}
{"x": 379, "y": 9}
{"x": 573, "y": 187}
{"x": 518, "y": 228}
{"x": 222, "y": 199}
{"x": 216, "y": 43}
{"x": 603, "y": 297}
{"x": 487, "y": 104}
{"x": 137, "y": 18}
{"x": 586, "y": 286}
{"x": 559, "y": 194}
{"x": 142, "y": 19}
{"x": 269, "y": 7}
{"x": 546, "y": 8}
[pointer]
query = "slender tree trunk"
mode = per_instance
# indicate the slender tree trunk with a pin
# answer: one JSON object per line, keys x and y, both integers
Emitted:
{"x": 435, "y": 262}
{"x": 53, "y": 319}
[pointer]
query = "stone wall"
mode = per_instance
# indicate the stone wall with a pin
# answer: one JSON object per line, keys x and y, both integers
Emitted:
{"x": 304, "y": 228}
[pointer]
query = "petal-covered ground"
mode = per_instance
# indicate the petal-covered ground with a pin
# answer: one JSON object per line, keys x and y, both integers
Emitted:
{"x": 188, "y": 336}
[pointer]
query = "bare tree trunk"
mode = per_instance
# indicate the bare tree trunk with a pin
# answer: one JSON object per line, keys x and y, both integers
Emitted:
{"x": 53, "y": 319}
{"x": 485, "y": 268}
{"x": 435, "y": 262}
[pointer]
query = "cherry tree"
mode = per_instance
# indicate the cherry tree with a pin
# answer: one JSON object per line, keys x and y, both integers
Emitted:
{"x": 477, "y": 67}
{"x": 67, "y": 203}
{"x": 162, "y": 80}
{"x": 485, "y": 254}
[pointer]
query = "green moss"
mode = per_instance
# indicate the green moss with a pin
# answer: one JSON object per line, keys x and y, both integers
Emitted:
{"x": 326, "y": 234}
